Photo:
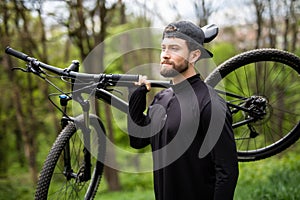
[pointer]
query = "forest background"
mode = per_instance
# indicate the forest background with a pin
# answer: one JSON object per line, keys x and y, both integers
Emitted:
{"x": 57, "y": 32}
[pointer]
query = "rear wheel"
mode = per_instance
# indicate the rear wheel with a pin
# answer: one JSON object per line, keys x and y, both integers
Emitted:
{"x": 266, "y": 80}
{"x": 57, "y": 180}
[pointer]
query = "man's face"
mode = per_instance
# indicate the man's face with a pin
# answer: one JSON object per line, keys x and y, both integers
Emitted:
{"x": 174, "y": 57}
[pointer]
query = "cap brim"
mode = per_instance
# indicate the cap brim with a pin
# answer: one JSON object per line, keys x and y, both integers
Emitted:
{"x": 205, "y": 53}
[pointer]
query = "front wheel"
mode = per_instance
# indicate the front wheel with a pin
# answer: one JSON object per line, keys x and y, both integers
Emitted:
{"x": 261, "y": 87}
{"x": 65, "y": 174}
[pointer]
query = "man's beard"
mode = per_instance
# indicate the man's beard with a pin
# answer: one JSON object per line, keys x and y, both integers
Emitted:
{"x": 174, "y": 70}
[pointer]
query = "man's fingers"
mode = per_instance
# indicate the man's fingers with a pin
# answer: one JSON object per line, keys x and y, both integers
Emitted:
{"x": 143, "y": 81}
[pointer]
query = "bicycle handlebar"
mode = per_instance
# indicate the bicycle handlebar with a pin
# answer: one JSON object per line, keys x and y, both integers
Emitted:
{"x": 72, "y": 74}
{"x": 17, "y": 54}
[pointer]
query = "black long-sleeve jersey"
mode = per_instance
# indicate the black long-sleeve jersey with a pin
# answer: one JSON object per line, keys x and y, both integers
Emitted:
{"x": 189, "y": 129}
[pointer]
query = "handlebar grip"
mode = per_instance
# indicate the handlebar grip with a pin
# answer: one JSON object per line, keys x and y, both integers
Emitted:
{"x": 16, "y": 53}
{"x": 123, "y": 77}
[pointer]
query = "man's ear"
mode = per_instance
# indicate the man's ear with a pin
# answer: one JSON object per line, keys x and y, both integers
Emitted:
{"x": 194, "y": 56}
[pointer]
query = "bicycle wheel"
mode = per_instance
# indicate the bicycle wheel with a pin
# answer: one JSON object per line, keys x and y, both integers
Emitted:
{"x": 54, "y": 182}
{"x": 266, "y": 80}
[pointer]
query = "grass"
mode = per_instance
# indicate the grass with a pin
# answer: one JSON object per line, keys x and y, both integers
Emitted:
{"x": 275, "y": 178}
{"x": 134, "y": 186}
{"x": 127, "y": 195}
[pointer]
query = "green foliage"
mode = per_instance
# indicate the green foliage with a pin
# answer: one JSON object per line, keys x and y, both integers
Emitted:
{"x": 223, "y": 51}
{"x": 16, "y": 187}
{"x": 273, "y": 178}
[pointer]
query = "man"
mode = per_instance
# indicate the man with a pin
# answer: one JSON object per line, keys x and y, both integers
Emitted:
{"x": 188, "y": 125}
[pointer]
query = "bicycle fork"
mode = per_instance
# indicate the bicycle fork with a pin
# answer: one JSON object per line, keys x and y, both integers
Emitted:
{"x": 84, "y": 172}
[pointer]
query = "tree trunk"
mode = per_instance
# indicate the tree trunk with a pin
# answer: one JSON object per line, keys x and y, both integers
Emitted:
{"x": 272, "y": 26}
{"x": 294, "y": 26}
{"x": 285, "y": 33}
{"x": 111, "y": 174}
{"x": 259, "y": 9}
{"x": 26, "y": 117}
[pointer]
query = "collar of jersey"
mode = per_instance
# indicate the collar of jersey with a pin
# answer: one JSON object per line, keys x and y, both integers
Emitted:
{"x": 179, "y": 87}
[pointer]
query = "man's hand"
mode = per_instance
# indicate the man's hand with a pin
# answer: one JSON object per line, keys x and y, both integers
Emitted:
{"x": 143, "y": 81}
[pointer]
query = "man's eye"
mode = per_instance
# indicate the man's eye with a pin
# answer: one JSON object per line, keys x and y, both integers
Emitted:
{"x": 174, "y": 48}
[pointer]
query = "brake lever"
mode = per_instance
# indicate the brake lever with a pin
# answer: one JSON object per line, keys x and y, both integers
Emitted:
{"x": 19, "y": 68}
{"x": 30, "y": 69}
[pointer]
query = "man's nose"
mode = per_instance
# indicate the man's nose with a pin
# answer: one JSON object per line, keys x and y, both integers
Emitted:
{"x": 165, "y": 54}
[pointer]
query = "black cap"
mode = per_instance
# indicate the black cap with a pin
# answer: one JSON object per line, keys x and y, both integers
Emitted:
{"x": 190, "y": 32}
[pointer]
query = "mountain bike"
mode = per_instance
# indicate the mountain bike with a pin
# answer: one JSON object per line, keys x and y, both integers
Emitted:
{"x": 259, "y": 87}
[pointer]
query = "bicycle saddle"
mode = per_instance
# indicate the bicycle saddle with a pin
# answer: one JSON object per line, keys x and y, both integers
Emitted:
{"x": 210, "y": 32}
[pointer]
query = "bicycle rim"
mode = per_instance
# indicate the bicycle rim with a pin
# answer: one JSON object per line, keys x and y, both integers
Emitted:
{"x": 53, "y": 184}
{"x": 274, "y": 76}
